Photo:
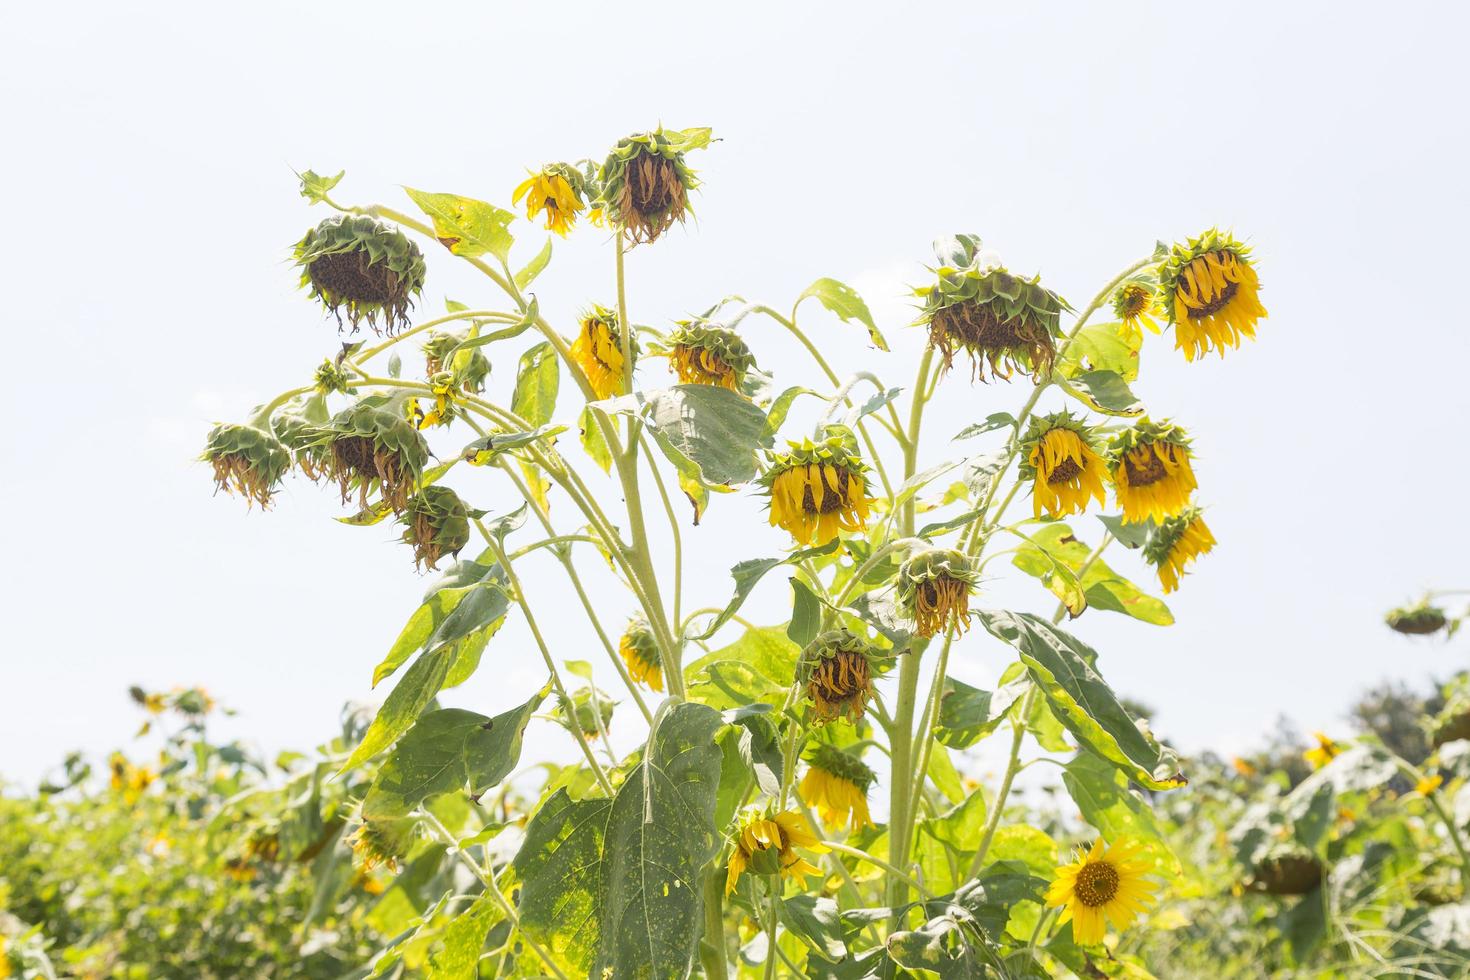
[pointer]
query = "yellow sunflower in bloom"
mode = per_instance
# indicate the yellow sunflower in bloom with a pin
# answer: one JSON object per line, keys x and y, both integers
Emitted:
{"x": 1065, "y": 470}
{"x": 1152, "y": 475}
{"x": 1211, "y": 294}
{"x": 818, "y": 490}
{"x": 836, "y": 783}
{"x": 598, "y": 351}
{"x": 837, "y": 671}
{"x": 934, "y": 587}
{"x": 1175, "y": 543}
{"x": 557, "y": 190}
{"x": 1104, "y": 885}
{"x": 640, "y": 653}
{"x": 1428, "y": 784}
{"x": 1136, "y": 305}
{"x": 765, "y": 845}
{"x": 1323, "y": 752}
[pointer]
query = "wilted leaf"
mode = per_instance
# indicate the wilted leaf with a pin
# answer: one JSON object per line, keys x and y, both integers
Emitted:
{"x": 466, "y": 226}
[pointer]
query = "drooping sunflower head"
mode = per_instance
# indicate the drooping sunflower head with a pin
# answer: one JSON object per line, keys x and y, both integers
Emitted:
{"x": 598, "y": 351}
{"x": 298, "y": 425}
{"x": 639, "y": 651}
{"x": 1421, "y": 618}
{"x": 247, "y": 460}
{"x": 646, "y": 183}
{"x": 818, "y": 489}
{"x": 706, "y": 353}
{"x": 330, "y": 377}
{"x": 470, "y": 368}
{"x": 560, "y": 191}
{"x": 382, "y": 842}
{"x": 372, "y": 448}
{"x": 436, "y": 523}
{"x": 1323, "y": 752}
{"x": 836, "y": 783}
{"x": 934, "y": 586}
{"x": 1152, "y": 473}
{"x": 1000, "y": 320}
{"x": 1136, "y": 305}
{"x": 1059, "y": 456}
{"x": 1210, "y": 292}
{"x": 362, "y": 269}
{"x": 765, "y": 844}
{"x": 445, "y": 407}
{"x": 1175, "y": 542}
{"x": 1105, "y": 884}
{"x": 1286, "y": 870}
{"x": 836, "y": 671}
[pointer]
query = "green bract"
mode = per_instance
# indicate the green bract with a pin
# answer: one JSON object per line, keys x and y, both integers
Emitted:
{"x": 436, "y": 524}
{"x": 836, "y": 448}
{"x": 927, "y": 565}
{"x": 646, "y": 183}
{"x": 1144, "y": 432}
{"x": 470, "y": 368}
{"x": 371, "y": 448}
{"x": 692, "y": 344}
{"x": 362, "y": 268}
{"x": 844, "y": 765}
{"x": 247, "y": 460}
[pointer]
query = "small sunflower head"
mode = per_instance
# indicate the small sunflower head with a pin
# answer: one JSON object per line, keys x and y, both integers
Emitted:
{"x": 934, "y": 587}
{"x": 444, "y": 409}
{"x": 836, "y": 670}
{"x": 1059, "y": 456}
{"x": 591, "y": 709}
{"x": 705, "y": 353}
{"x": 1105, "y": 884}
{"x": 1002, "y": 321}
{"x": 1175, "y": 542}
{"x": 818, "y": 489}
{"x": 598, "y": 351}
{"x": 362, "y": 269}
{"x": 436, "y": 523}
{"x": 1210, "y": 292}
{"x": 1136, "y": 305}
{"x": 1287, "y": 871}
{"x": 646, "y": 183}
{"x": 382, "y": 842}
{"x": 470, "y": 368}
{"x": 371, "y": 448}
{"x": 1323, "y": 752}
{"x": 247, "y": 460}
{"x": 836, "y": 783}
{"x": 330, "y": 377}
{"x": 1152, "y": 473}
{"x": 557, "y": 189}
{"x": 1419, "y": 619}
{"x": 640, "y": 653}
{"x": 765, "y": 844}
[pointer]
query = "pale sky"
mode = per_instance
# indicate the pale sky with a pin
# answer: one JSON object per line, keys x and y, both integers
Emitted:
{"x": 151, "y": 206}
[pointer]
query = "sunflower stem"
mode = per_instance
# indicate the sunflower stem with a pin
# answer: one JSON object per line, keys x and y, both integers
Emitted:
{"x": 712, "y": 948}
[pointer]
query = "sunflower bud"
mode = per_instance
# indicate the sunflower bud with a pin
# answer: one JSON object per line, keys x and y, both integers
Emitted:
{"x": 1419, "y": 619}
{"x": 934, "y": 587}
{"x": 591, "y": 709}
{"x": 639, "y": 651}
{"x": 330, "y": 377}
{"x": 1175, "y": 543}
{"x": 1210, "y": 294}
{"x": 560, "y": 191}
{"x": 436, "y": 524}
{"x": 598, "y": 351}
{"x": 248, "y": 461}
{"x": 1152, "y": 475}
{"x": 362, "y": 268}
{"x": 370, "y": 448}
{"x": 705, "y": 353}
{"x": 382, "y": 842}
{"x": 817, "y": 490}
{"x": 470, "y": 368}
{"x": 836, "y": 783}
{"x": 1060, "y": 458}
{"x": 646, "y": 183}
{"x": 765, "y": 844}
{"x": 1136, "y": 305}
{"x": 998, "y": 319}
{"x": 443, "y": 411}
{"x": 836, "y": 669}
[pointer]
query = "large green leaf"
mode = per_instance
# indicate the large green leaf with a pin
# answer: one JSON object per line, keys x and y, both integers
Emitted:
{"x": 710, "y": 428}
{"x": 464, "y": 937}
{"x": 756, "y": 668}
{"x": 968, "y": 714}
{"x": 1062, "y": 667}
{"x": 1102, "y": 795}
{"x": 1102, "y": 347}
{"x": 611, "y": 887}
{"x": 443, "y": 598}
{"x": 537, "y": 381}
{"x": 1103, "y": 391}
{"x": 448, "y": 750}
{"x": 413, "y": 692}
{"x": 466, "y": 226}
{"x": 844, "y": 301}
{"x": 1053, "y": 550}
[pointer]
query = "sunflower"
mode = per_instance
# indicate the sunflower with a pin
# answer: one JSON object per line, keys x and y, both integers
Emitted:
{"x": 1428, "y": 784}
{"x": 330, "y": 377}
{"x": 598, "y": 351}
{"x": 1323, "y": 752}
{"x": 443, "y": 412}
{"x": 358, "y": 267}
{"x": 556, "y": 189}
{"x": 817, "y": 490}
{"x": 1136, "y": 304}
{"x": 1210, "y": 290}
{"x": 382, "y": 842}
{"x": 1105, "y": 884}
{"x": 127, "y": 779}
{"x": 646, "y": 183}
{"x": 836, "y": 783}
{"x": 837, "y": 671}
{"x": 298, "y": 426}
{"x": 704, "y": 353}
{"x": 470, "y": 368}
{"x": 1175, "y": 543}
{"x": 369, "y": 447}
{"x": 1065, "y": 470}
{"x": 248, "y": 460}
{"x": 640, "y": 652}
{"x": 1287, "y": 870}
{"x": 765, "y": 845}
{"x": 1152, "y": 475}
{"x": 934, "y": 587}
{"x": 1420, "y": 619}
{"x": 1243, "y": 767}
{"x": 436, "y": 523}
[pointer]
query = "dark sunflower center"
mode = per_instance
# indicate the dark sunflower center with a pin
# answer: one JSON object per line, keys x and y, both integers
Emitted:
{"x": 1065, "y": 471}
{"x": 354, "y": 277}
{"x": 1221, "y": 300}
{"x": 831, "y": 501}
{"x": 841, "y": 677}
{"x": 1006, "y": 345}
{"x": 1144, "y": 467}
{"x": 654, "y": 185}
{"x": 1097, "y": 884}
{"x": 1134, "y": 301}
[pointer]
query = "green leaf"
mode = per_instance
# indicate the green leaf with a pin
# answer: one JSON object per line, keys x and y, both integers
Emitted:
{"x": 427, "y": 626}
{"x": 748, "y": 573}
{"x": 806, "y": 614}
{"x": 959, "y": 828}
{"x": 781, "y": 407}
{"x": 1102, "y": 795}
{"x": 483, "y": 451}
{"x": 413, "y": 692}
{"x": 1053, "y": 546}
{"x": 814, "y": 920}
{"x": 1062, "y": 667}
{"x": 997, "y": 420}
{"x": 593, "y": 444}
{"x": 611, "y": 887}
{"x": 940, "y": 945}
{"x": 1102, "y": 347}
{"x": 756, "y": 668}
{"x": 843, "y": 300}
{"x": 537, "y": 381}
{"x": 968, "y": 714}
{"x": 445, "y": 751}
{"x": 943, "y": 774}
{"x": 315, "y": 187}
{"x": 533, "y": 268}
{"x": 715, "y": 429}
{"x": 1103, "y": 391}
{"x": 466, "y": 226}
{"x": 464, "y": 938}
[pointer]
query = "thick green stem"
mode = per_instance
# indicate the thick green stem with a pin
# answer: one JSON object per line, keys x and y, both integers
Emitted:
{"x": 712, "y": 949}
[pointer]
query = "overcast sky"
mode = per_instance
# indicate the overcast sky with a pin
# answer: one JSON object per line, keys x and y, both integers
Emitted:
{"x": 151, "y": 205}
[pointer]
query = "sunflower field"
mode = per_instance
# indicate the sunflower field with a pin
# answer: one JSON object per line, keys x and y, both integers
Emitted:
{"x": 801, "y": 798}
